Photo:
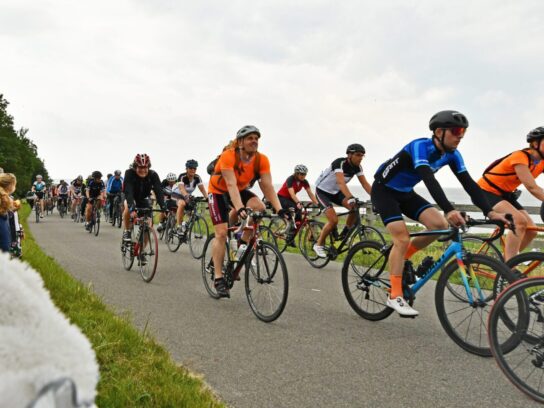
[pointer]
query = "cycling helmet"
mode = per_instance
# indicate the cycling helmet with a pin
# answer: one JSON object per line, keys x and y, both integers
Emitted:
{"x": 301, "y": 168}
{"x": 96, "y": 174}
{"x": 355, "y": 147}
{"x": 191, "y": 164}
{"x": 109, "y": 175}
{"x": 448, "y": 119}
{"x": 117, "y": 172}
{"x": 246, "y": 130}
{"x": 80, "y": 178}
{"x": 142, "y": 160}
{"x": 61, "y": 182}
{"x": 171, "y": 177}
{"x": 39, "y": 176}
{"x": 535, "y": 134}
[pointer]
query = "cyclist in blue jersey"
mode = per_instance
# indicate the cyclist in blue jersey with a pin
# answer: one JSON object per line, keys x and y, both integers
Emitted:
{"x": 114, "y": 187}
{"x": 393, "y": 194}
{"x": 39, "y": 188}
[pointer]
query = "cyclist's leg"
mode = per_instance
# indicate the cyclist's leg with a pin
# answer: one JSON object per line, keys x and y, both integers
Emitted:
{"x": 326, "y": 201}
{"x": 432, "y": 220}
{"x": 126, "y": 217}
{"x": 219, "y": 214}
{"x": 530, "y": 234}
{"x": 513, "y": 242}
{"x": 250, "y": 200}
{"x": 181, "y": 211}
{"x": 88, "y": 210}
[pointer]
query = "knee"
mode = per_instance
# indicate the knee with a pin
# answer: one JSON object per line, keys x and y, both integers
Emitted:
{"x": 521, "y": 223}
{"x": 401, "y": 242}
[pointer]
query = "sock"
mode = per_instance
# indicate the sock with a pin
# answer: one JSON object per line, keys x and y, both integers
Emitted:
{"x": 396, "y": 286}
{"x": 411, "y": 251}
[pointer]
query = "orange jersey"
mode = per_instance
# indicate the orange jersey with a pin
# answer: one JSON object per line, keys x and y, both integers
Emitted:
{"x": 503, "y": 174}
{"x": 244, "y": 173}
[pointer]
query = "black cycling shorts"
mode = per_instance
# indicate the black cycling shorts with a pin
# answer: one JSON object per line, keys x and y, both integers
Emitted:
{"x": 391, "y": 204}
{"x": 495, "y": 199}
{"x": 39, "y": 194}
{"x": 326, "y": 200}
{"x": 220, "y": 205}
{"x": 286, "y": 203}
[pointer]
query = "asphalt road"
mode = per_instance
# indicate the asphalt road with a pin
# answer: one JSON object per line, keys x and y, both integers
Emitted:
{"x": 319, "y": 353}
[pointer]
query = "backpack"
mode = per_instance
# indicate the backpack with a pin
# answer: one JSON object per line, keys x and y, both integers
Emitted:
{"x": 210, "y": 169}
{"x": 504, "y": 194}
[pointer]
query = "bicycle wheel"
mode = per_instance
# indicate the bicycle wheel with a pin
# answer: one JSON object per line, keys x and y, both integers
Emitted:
{"x": 119, "y": 215}
{"x": 61, "y": 211}
{"x": 279, "y": 228}
{"x": 308, "y": 237}
{"x": 267, "y": 235}
{"x": 267, "y": 283}
{"x": 463, "y": 318}
{"x": 173, "y": 241}
{"x": 107, "y": 212}
{"x": 127, "y": 254}
{"x": 37, "y": 211}
{"x": 198, "y": 234}
{"x": 208, "y": 271}
{"x": 148, "y": 256}
{"x": 366, "y": 233}
{"x": 477, "y": 245}
{"x": 524, "y": 365}
{"x": 96, "y": 225}
{"x": 366, "y": 281}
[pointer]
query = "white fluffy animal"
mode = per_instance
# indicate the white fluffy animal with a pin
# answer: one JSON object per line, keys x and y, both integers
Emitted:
{"x": 38, "y": 345}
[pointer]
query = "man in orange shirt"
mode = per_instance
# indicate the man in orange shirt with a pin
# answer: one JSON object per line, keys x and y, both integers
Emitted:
{"x": 501, "y": 180}
{"x": 238, "y": 167}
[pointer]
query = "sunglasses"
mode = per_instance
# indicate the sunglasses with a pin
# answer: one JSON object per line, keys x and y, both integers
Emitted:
{"x": 458, "y": 131}
{"x": 142, "y": 167}
{"x": 191, "y": 168}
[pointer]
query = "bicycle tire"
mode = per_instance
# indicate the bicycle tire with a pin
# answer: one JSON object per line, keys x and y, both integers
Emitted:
{"x": 267, "y": 235}
{"x": 37, "y": 211}
{"x": 279, "y": 226}
{"x": 526, "y": 358}
{"x": 365, "y": 280}
{"x": 366, "y": 233}
{"x": 119, "y": 215}
{"x": 127, "y": 254}
{"x": 207, "y": 267}
{"x": 308, "y": 237}
{"x": 150, "y": 251}
{"x": 170, "y": 223}
{"x": 268, "y": 279}
{"x": 471, "y": 338}
{"x": 173, "y": 241}
{"x": 198, "y": 235}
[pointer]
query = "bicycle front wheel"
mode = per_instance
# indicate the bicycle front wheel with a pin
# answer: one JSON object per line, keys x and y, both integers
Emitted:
{"x": 148, "y": 256}
{"x": 279, "y": 228}
{"x": 463, "y": 307}
{"x": 267, "y": 283}
{"x": 173, "y": 241}
{"x": 127, "y": 254}
{"x": 96, "y": 224}
{"x": 198, "y": 234}
{"x": 208, "y": 270}
{"x": 308, "y": 238}
{"x": 524, "y": 365}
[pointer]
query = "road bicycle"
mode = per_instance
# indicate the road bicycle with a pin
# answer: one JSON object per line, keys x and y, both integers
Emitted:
{"x": 96, "y": 213}
{"x": 356, "y": 233}
{"x": 519, "y": 313}
{"x": 266, "y": 278}
{"x": 117, "y": 210}
{"x": 37, "y": 207}
{"x": 144, "y": 245}
{"x": 465, "y": 289}
{"x": 62, "y": 207}
{"x": 196, "y": 231}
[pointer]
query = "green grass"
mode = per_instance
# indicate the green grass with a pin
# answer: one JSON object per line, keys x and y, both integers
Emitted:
{"x": 134, "y": 369}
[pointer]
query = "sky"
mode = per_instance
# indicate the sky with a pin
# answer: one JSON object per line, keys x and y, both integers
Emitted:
{"x": 97, "y": 82}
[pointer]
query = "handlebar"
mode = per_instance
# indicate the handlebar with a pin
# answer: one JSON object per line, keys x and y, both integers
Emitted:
{"x": 479, "y": 222}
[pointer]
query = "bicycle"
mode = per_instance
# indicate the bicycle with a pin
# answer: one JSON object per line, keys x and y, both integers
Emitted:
{"x": 76, "y": 211}
{"x": 96, "y": 211}
{"x": 266, "y": 279}
{"x": 465, "y": 289}
{"x": 357, "y": 232}
{"x": 144, "y": 246}
{"x": 62, "y": 208}
{"x": 117, "y": 210}
{"x": 196, "y": 231}
{"x": 519, "y": 313}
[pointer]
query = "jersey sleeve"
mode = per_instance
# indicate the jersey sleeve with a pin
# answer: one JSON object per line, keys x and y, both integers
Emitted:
{"x": 289, "y": 181}
{"x": 264, "y": 167}
{"x": 336, "y": 166}
{"x": 418, "y": 153}
{"x": 457, "y": 164}
{"x": 198, "y": 180}
{"x": 306, "y": 184}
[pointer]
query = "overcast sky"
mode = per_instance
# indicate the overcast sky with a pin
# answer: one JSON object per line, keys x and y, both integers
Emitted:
{"x": 98, "y": 81}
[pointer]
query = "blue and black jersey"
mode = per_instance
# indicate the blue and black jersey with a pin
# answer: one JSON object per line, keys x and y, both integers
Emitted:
{"x": 95, "y": 188}
{"x": 114, "y": 185}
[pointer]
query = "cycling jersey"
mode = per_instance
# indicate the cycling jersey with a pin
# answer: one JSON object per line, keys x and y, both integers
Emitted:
{"x": 327, "y": 179}
{"x": 293, "y": 183}
{"x": 76, "y": 187}
{"x": 399, "y": 172}
{"x": 138, "y": 189}
{"x": 39, "y": 186}
{"x": 189, "y": 185}
{"x": 63, "y": 189}
{"x": 95, "y": 188}
{"x": 503, "y": 174}
{"x": 114, "y": 185}
{"x": 244, "y": 173}
{"x": 166, "y": 188}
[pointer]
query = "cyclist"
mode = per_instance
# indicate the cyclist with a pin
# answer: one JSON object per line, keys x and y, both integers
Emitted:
{"x": 39, "y": 188}
{"x": 167, "y": 186}
{"x": 76, "y": 191}
{"x": 235, "y": 169}
{"x": 393, "y": 194}
{"x": 187, "y": 183}
{"x": 63, "y": 190}
{"x": 114, "y": 187}
{"x": 96, "y": 190}
{"x": 287, "y": 194}
{"x": 331, "y": 188}
{"x": 501, "y": 180}
{"x": 140, "y": 180}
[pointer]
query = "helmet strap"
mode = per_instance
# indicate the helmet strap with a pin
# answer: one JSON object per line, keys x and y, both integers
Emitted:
{"x": 441, "y": 141}
{"x": 538, "y": 148}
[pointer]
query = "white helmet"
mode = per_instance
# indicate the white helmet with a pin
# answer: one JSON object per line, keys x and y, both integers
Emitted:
{"x": 39, "y": 176}
{"x": 171, "y": 177}
{"x": 301, "y": 168}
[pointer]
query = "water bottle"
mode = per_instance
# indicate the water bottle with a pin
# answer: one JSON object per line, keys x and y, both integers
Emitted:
{"x": 241, "y": 250}
{"x": 233, "y": 246}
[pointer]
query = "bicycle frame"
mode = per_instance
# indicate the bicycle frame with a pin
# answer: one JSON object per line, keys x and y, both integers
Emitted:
{"x": 334, "y": 251}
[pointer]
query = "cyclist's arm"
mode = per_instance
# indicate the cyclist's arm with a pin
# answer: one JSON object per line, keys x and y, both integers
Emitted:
{"x": 182, "y": 190}
{"x": 366, "y": 185}
{"x": 293, "y": 194}
{"x": 232, "y": 188}
{"x": 311, "y": 195}
{"x": 203, "y": 190}
{"x": 434, "y": 188}
{"x": 268, "y": 190}
{"x": 527, "y": 179}
{"x": 342, "y": 184}
{"x": 157, "y": 189}
{"x": 474, "y": 191}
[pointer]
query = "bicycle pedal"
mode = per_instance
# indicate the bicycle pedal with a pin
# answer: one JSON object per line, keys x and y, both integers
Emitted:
{"x": 407, "y": 317}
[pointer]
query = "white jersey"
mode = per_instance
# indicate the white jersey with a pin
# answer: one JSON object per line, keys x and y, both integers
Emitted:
{"x": 327, "y": 179}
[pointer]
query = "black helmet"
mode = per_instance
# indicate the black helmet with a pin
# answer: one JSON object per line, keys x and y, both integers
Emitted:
{"x": 535, "y": 134}
{"x": 117, "y": 172}
{"x": 448, "y": 119}
{"x": 246, "y": 130}
{"x": 191, "y": 164}
{"x": 355, "y": 147}
{"x": 96, "y": 174}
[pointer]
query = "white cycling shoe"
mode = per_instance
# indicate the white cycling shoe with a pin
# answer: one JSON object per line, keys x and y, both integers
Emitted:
{"x": 320, "y": 251}
{"x": 401, "y": 306}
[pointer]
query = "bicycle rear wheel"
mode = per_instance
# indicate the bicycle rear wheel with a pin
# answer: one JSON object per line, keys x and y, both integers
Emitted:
{"x": 278, "y": 226}
{"x": 148, "y": 256}
{"x": 524, "y": 365}
{"x": 173, "y": 241}
{"x": 198, "y": 234}
{"x": 308, "y": 237}
{"x": 207, "y": 267}
{"x": 37, "y": 211}
{"x": 366, "y": 281}
{"x": 266, "y": 282}
{"x": 462, "y": 317}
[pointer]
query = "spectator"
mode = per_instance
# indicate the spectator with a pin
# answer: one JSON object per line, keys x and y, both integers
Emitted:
{"x": 7, "y": 187}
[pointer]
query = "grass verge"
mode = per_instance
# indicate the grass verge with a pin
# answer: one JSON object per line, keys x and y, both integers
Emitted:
{"x": 134, "y": 369}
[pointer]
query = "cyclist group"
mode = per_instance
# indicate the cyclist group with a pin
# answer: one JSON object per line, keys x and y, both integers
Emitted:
{"x": 392, "y": 193}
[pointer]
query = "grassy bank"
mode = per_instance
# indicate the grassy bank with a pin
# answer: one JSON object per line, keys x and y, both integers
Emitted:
{"x": 134, "y": 369}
